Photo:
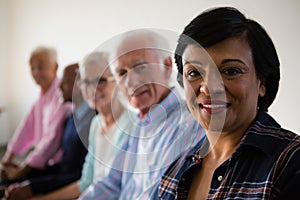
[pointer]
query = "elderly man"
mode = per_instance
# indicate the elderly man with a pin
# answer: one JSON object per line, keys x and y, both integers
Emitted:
{"x": 76, "y": 131}
{"x": 162, "y": 129}
{"x": 42, "y": 129}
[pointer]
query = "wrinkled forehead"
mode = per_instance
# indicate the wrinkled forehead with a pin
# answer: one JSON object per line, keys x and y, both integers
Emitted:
{"x": 138, "y": 56}
{"x": 137, "y": 46}
{"x": 138, "y": 42}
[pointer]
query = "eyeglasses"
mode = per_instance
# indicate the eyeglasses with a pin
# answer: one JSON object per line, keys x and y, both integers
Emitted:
{"x": 96, "y": 83}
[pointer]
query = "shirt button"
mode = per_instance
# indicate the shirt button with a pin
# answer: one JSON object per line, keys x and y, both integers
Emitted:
{"x": 220, "y": 178}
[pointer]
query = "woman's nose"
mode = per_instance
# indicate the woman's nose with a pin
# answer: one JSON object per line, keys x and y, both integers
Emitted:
{"x": 212, "y": 84}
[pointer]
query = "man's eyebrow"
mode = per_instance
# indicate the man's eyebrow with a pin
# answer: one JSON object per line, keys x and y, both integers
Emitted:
{"x": 138, "y": 62}
{"x": 134, "y": 64}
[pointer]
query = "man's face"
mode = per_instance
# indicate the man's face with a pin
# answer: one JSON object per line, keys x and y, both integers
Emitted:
{"x": 143, "y": 78}
{"x": 43, "y": 69}
{"x": 67, "y": 84}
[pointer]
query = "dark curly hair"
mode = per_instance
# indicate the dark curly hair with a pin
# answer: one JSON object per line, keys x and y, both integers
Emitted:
{"x": 218, "y": 24}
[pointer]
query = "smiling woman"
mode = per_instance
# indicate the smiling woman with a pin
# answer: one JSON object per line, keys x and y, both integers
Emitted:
{"x": 229, "y": 69}
{"x": 80, "y": 27}
{"x": 223, "y": 84}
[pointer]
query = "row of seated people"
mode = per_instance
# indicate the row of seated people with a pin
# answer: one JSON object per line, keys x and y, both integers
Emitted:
{"x": 202, "y": 147}
{"x": 88, "y": 123}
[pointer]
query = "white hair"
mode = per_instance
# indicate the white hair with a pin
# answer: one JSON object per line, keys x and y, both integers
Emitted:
{"x": 140, "y": 39}
{"x": 95, "y": 57}
{"x": 50, "y": 51}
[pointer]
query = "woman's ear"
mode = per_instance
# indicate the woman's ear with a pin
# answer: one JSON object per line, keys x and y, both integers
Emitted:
{"x": 262, "y": 87}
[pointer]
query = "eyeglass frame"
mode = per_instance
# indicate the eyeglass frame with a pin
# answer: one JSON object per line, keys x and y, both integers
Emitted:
{"x": 99, "y": 82}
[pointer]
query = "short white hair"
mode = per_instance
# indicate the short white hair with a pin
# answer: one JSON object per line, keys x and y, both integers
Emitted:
{"x": 96, "y": 57}
{"x": 140, "y": 39}
{"x": 50, "y": 51}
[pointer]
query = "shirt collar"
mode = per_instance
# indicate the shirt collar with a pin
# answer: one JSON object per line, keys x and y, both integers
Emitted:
{"x": 252, "y": 137}
{"x": 54, "y": 85}
{"x": 80, "y": 111}
{"x": 260, "y": 126}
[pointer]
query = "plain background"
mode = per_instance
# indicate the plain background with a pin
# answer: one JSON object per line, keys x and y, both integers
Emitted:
{"x": 76, "y": 27}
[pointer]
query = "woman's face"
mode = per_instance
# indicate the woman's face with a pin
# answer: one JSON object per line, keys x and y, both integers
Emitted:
{"x": 97, "y": 86}
{"x": 222, "y": 89}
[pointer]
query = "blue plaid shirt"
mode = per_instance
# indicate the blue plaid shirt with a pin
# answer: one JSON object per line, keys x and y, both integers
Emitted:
{"x": 153, "y": 144}
{"x": 266, "y": 165}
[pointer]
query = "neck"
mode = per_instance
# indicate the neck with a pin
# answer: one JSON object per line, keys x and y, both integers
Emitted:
{"x": 46, "y": 87}
{"x": 222, "y": 145}
{"x": 225, "y": 143}
{"x": 110, "y": 115}
{"x": 143, "y": 112}
{"x": 77, "y": 101}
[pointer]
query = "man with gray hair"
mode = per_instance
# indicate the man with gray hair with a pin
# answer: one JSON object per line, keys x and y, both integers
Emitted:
{"x": 162, "y": 129}
{"x": 42, "y": 128}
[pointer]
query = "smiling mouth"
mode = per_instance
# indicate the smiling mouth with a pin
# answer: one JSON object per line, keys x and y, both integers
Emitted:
{"x": 212, "y": 108}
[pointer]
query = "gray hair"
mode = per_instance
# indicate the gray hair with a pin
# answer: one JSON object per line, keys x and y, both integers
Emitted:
{"x": 50, "y": 51}
{"x": 95, "y": 57}
{"x": 141, "y": 39}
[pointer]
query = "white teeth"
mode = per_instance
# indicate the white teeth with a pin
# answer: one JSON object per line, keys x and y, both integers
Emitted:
{"x": 214, "y": 106}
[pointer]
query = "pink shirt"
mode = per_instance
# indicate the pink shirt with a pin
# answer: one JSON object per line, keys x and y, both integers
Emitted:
{"x": 42, "y": 129}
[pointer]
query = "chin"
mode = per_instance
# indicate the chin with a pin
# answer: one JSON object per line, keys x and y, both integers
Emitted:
{"x": 135, "y": 105}
{"x": 91, "y": 104}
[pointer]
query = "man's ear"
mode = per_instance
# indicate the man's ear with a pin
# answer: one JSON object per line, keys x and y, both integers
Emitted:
{"x": 56, "y": 67}
{"x": 168, "y": 64}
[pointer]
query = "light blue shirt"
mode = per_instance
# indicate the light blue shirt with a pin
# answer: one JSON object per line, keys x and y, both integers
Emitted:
{"x": 105, "y": 144}
{"x": 153, "y": 144}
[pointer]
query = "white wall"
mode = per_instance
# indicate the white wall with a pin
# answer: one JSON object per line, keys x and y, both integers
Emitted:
{"x": 4, "y": 63}
{"x": 76, "y": 27}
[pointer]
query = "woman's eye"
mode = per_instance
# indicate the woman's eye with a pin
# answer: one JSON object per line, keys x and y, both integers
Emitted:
{"x": 193, "y": 75}
{"x": 232, "y": 71}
